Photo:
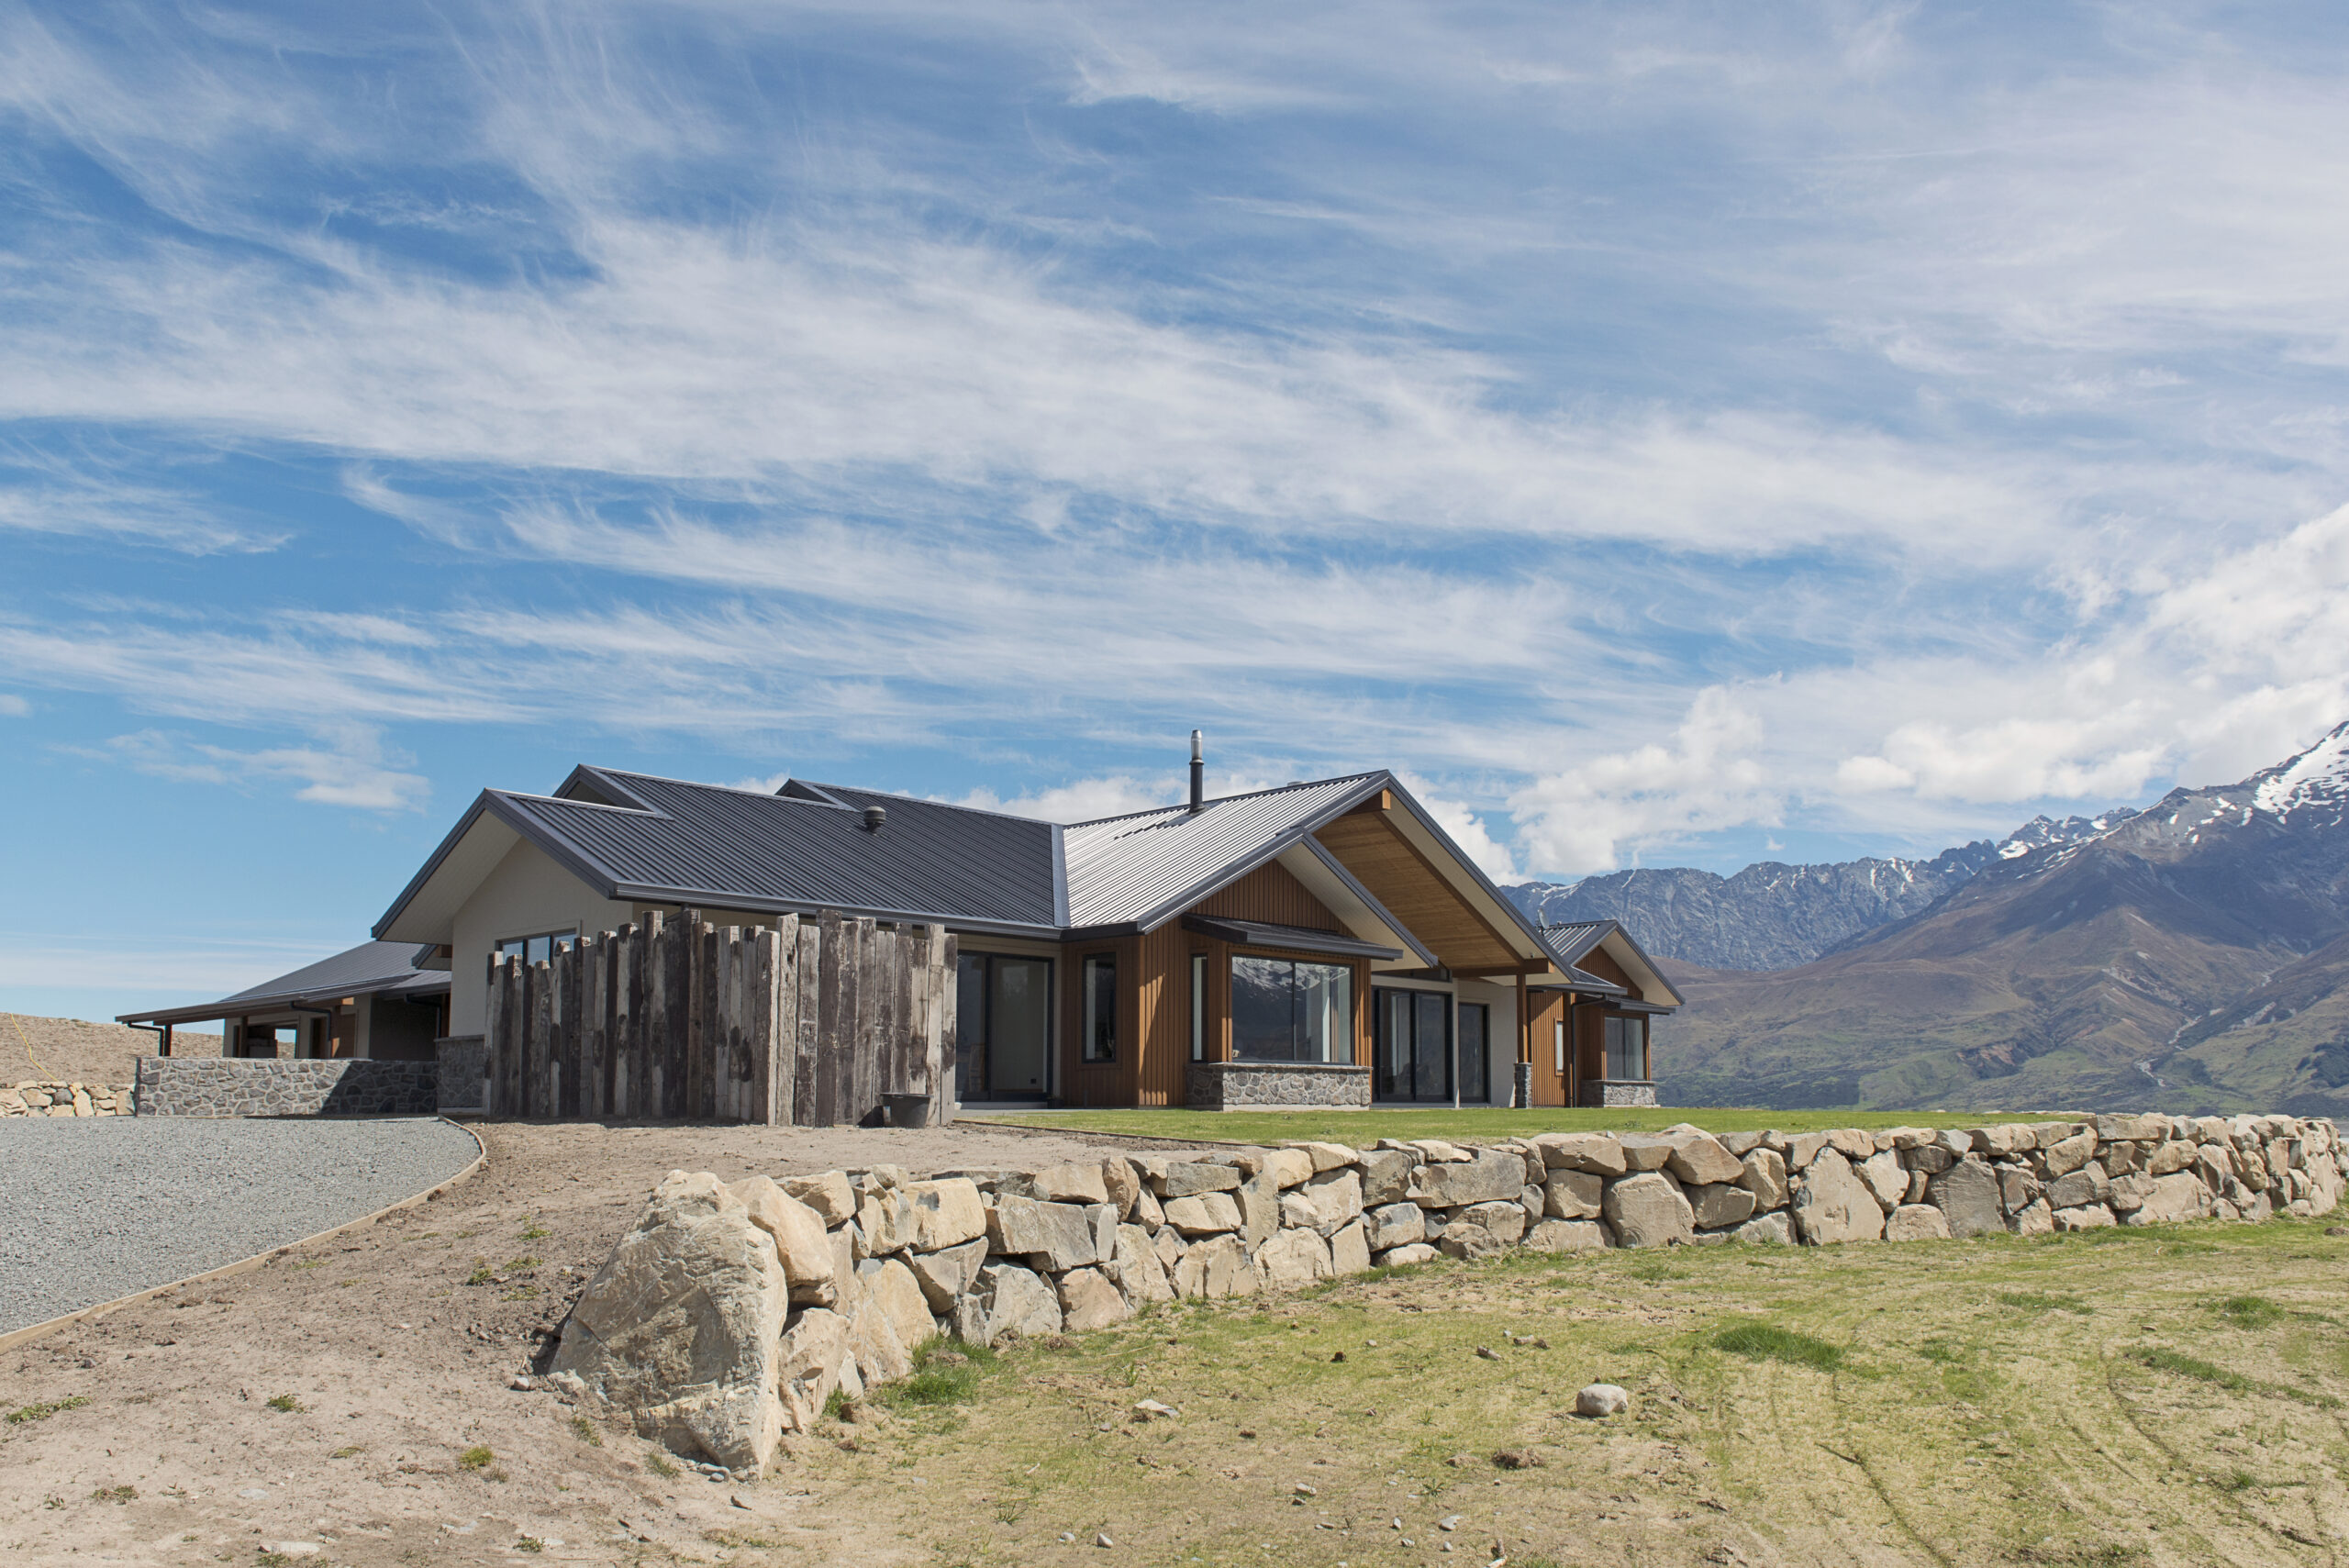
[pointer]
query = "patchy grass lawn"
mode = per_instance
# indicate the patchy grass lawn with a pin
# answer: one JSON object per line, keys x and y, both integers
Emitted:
{"x": 2095, "y": 1399}
{"x": 1368, "y": 1127}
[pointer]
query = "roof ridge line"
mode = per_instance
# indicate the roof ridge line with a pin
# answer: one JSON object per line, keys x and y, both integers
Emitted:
{"x": 1220, "y": 799}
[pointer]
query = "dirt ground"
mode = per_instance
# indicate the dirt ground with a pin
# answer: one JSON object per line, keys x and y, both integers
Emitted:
{"x": 317, "y": 1408}
{"x": 2159, "y": 1398}
{"x": 74, "y": 1050}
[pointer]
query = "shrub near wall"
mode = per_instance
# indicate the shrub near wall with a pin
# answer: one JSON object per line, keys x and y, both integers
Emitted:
{"x": 729, "y": 1315}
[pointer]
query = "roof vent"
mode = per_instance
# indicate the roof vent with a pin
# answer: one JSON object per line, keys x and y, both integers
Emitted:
{"x": 873, "y": 817}
{"x": 1199, "y": 772}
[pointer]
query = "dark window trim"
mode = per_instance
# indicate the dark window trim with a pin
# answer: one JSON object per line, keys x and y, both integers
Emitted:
{"x": 1354, "y": 987}
{"x": 1085, "y": 1040}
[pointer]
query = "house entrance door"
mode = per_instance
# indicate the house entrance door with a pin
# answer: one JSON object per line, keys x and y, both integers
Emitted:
{"x": 1002, "y": 1027}
{"x": 1412, "y": 1049}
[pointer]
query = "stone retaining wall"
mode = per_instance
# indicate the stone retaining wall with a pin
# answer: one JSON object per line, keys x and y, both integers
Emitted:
{"x": 777, "y": 1294}
{"x": 1232, "y": 1085}
{"x": 231, "y": 1085}
{"x": 464, "y": 1071}
{"x": 37, "y": 1097}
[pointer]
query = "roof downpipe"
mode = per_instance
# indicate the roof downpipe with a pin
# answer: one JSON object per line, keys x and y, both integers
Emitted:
{"x": 1198, "y": 772}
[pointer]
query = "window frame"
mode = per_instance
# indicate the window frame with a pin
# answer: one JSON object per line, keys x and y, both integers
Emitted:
{"x": 1091, "y": 1050}
{"x": 1352, "y": 1027}
{"x": 1199, "y": 1006}
{"x": 557, "y": 940}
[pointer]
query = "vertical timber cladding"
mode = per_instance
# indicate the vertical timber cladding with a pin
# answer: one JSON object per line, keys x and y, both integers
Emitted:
{"x": 809, "y": 1021}
{"x": 1152, "y": 1066}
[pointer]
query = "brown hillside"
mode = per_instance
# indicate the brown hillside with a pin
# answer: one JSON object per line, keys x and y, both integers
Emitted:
{"x": 74, "y": 1050}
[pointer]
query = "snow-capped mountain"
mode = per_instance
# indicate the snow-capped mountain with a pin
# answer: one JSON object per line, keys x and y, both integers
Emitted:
{"x": 2192, "y": 955}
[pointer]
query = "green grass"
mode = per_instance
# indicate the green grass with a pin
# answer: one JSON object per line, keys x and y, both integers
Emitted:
{"x": 115, "y": 1494}
{"x": 1762, "y": 1341}
{"x": 587, "y": 1431}
{"x": 2184, "y": 1365}
{"x": 23, "y": 1414}
{"x": 285, "y": 1402}
{"x": 1363, "y": 1127}
{"x": 475, "y": 1458}
{"x": 944, "y": 1373}
{"x": 2250, "y": 1311}
{"x": 2045, "y": 1301}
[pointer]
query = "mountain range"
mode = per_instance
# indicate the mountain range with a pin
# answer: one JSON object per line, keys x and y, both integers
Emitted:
{"x": 2193, "y": 956}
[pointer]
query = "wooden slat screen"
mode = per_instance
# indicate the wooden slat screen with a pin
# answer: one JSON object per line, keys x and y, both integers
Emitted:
{"x": 808, "y": 1023}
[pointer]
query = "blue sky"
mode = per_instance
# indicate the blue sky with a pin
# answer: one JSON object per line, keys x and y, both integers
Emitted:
{"x": 1667, "y": 434}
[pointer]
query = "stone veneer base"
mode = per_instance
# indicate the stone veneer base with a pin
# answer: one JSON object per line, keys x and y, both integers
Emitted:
{"x": 1234, "y": 1086}
{"x": 232, "y": 1086}
{"x": 1626, "y": 1095}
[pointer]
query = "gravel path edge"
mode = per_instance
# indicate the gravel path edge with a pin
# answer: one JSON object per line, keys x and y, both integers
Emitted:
{"x": 242, "y": 1265}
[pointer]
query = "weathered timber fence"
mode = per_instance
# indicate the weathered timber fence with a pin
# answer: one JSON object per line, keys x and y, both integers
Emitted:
{"x": 811, "y": 1021}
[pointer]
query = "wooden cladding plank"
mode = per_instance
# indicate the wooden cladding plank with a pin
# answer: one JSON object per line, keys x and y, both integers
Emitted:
{"x": 1270, "y": 893}
{"x": 832, "y": 997}
{"x": 815, "y": 936}
{"x": 1401, "y": 878}
{"x": 784, "y": 1042}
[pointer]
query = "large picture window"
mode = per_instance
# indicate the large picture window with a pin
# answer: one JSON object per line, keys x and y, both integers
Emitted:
{"x": 1475, "y": 1021}
{"x": 1627, "y": 1049}
{"x": 1282, "y": 1010}
{"x": 1100, "y": 980}
{"x": 1198, "y": 1007}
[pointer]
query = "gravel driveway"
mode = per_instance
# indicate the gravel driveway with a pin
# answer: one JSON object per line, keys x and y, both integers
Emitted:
{"x": 102, "y": 1209}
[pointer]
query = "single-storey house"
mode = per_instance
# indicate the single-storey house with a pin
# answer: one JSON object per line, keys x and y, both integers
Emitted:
{"x": 1290, "y": 943}
{"x": 380, "y": 1001}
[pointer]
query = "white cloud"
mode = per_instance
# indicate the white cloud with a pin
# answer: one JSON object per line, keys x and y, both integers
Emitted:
{"x": 359, "y": 773}
{"x": 14, "y": 706}
{"x": 1082, "y": 800}
{"x": 1466, "y": 829}
{"x": 1585, "y": 817}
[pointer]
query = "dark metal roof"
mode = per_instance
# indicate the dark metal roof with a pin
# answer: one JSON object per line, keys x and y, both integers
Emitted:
{"x": 1138, "y": 869}
{"x": 370, "y": 968}
{"x": 805, "y": 847}
{"x": 1572, "y": 942}
{"x": 1301, "y": 938}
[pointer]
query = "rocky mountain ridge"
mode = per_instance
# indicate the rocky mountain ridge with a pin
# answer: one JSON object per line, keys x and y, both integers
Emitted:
{"x": 1775, "y": 916}
{"x": 2196, "y": 952}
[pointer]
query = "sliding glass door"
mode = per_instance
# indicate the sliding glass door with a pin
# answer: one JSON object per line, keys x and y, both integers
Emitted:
{"x": 1002, "y": 1027}
{"x": 1411, "y": 1055}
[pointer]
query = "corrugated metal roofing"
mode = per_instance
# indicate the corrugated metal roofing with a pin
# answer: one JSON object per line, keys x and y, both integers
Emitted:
{"x": 1570, "y": 939}
{"x": 680, "y": 841}
{"x": 370, "y": 967}
{"x": 1133, "y": 868}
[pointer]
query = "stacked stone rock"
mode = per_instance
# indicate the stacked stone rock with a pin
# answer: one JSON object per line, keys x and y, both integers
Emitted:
{"x": 37, "y": 1097}
{"x": 731, "y": 1315}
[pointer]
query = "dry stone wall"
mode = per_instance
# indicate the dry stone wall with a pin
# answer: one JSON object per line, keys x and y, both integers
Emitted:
{"x": 236, "y": 1086}
{"x": 729, "y": 1315}
{"x": 36, "y": 1097}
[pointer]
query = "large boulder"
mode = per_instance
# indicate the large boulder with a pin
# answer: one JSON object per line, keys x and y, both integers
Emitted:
{"x": 1186, "y": 1178}
{"x": 1293, "y": 1257}
{"x": 1493, "y": 1175}
{"x": 1350, "y": 1248}
{"x": 1916, "y": 1222}
{"x": 1573, "y": 1194}
{"x": 1137, "y": 1269}
{"x": 1503, "y": 1221}
{"x": 1387, "y": 1176}
{"x": 1123, "y": 1182}
{"x": 809, "y": 1365}
{"x": 1567, "y": 1236}
{"x": 2175, "y": 1197}
{"x": 1835, "y": 1204}
{"x": 1642, "y": 1153}
{"x": 1215, "y": 1268}
{"x": 949, "y": 1272}
{"x": 1288, "y": 1167}
{"x": 2089, "y": 1185}
{"x": 1697, "y": 1158}
{"x": 1599, "y": 1153}
{"x": 1968, "y": 1194}
{"x": 2172, "y": 1157}
{"x": 829, "y": 1195}
{"x": 885, "y": 1220}
{"x": 893, "y": 1289}
{"x": 1090, "y": 1300}
{"x": 946, "y": 1213}
{"x": 1717, "y": 1205}
{"x": 1336, "y": 1196}
{"x": 1203, "y": 1214}
{"x": 1018, "y": 1303}
{"x": 799, "y": 1238}
{"x": 2086, "y": 1216}
{"x": 681, "y": 1326}
{"x": 1762, "y": 1173}
{"x": 1647, "y": 1210}
{"x": 1071, "y": 1184}
{"x": 1056, "y": 1236}
{"x": 1776, "y": 1228}
{"x": 1395, "y": 1225}
{"x": 2068, "y": 1154}
{"x": 1886, "y": 1179}
{"x": 1259, "y": 1201}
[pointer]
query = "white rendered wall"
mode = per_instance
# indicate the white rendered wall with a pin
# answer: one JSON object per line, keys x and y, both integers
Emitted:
{"x": 528, "y": 893}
